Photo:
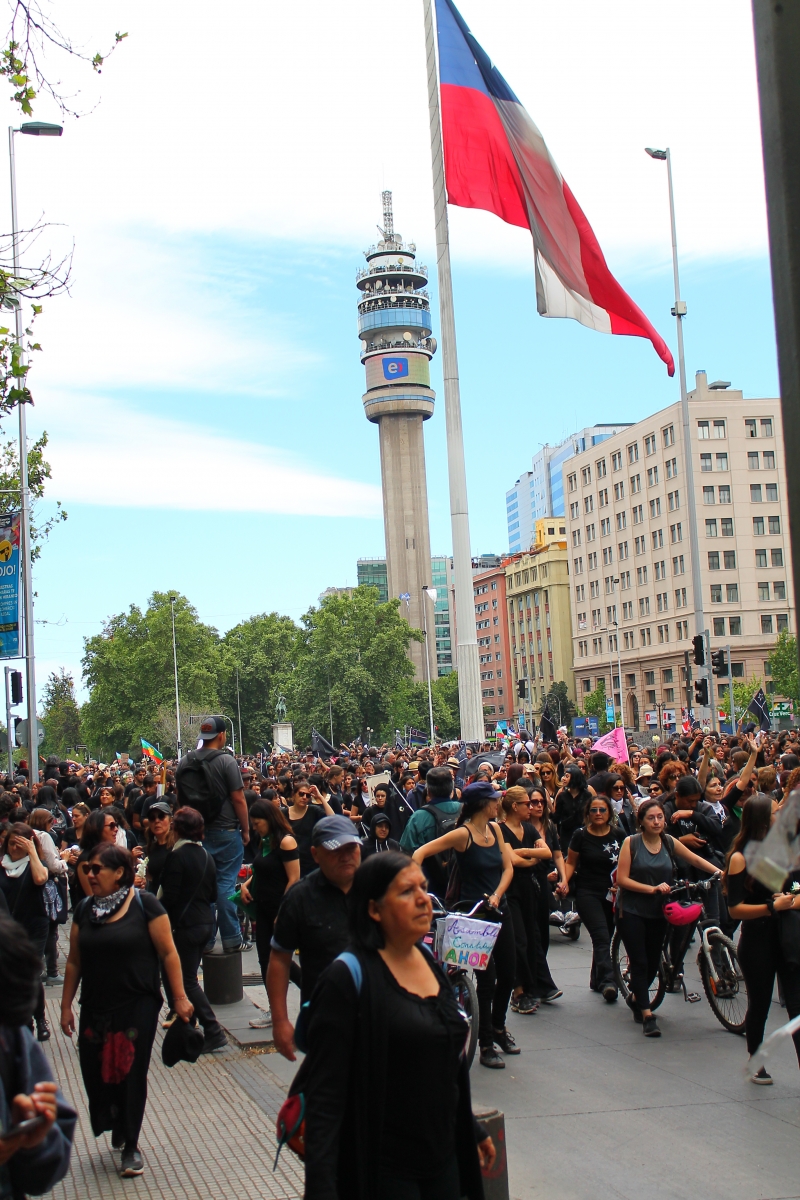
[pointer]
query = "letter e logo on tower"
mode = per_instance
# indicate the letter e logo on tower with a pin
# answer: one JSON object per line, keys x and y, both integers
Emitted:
{"x": 395, "y": 368}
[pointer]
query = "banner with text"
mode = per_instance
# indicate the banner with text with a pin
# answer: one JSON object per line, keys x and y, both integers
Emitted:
{"x": 10, "y": 594}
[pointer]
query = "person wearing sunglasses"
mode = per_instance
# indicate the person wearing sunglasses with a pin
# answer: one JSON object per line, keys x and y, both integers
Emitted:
{"x": 307, "y": 806}
{"x": 119, "y": 941}
{"x": 593, "y": 854}
{"x": 100, "y": 826}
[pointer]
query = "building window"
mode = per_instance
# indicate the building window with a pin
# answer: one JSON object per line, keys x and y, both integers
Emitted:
{"x": 755, "y": 493}
{"x": 771, "y": 492}
{"x": 713, "y": 560}
{"x": 619, "y": 490}
{"x": 650, "y": 444}
{"x": 605, "y": 527}
{"x": 669, "y": 693}
{"x": 719, "y": 627}
{"x": 603, "y": 497}
{"x": 774, "y": 524}
{"x": 750, "y": 427}
{"x": 711, "y": 527}
{"x": 705, "y": 462}
{"x": 636, "y": 483}
{"x": 663, "y": 633}
{"x": 763, "y": 592}
{"x": 658, "y": 539}
{"x": 633, "y": 453}
{"x": 661, "y": 601}
{"x": 649, "y": 677}
{"x": 639, "y": 545}
{"x": 726, "y": 526}
{"x": 676, "y": 532}
{"x": 655, "y": 508}
{"x": 622, "y": 550}
{"x": 752, "y": 460}
{"x": 769, "y": 460}
{"x": 661, "y": 569}
{"x": 766, "y": 623}
{"x": 735, "y": 626}
{"x": 622, "y": 520}
{"x": 573, "y": 511}
{"x": 758, "y": 526}
{"x": 672, "y": 468}
{"x": 678, "y": 567}
{"x": 616, "y": 461}
{"x": 725, "y": 494}
{"x": 674, "y": 499}
{"x": 709, "y": 495}
{"x": 779, "y": 591}
{"x": 644, "y": 637}
{"x": 680, "y": 597}
{"x": 716, "y": 593}
{"x": 668, "y": 435}
{"x": 732, "y": 593}
{"x": 600, "y": 466}
{"x": 721, "y": 462}
{"x": 766, "y": 427}
{"x": 761, "y": 558}
{"x": 641, "y": 575}
{"x": 703, "y": 430}
{"x": 586, "y": 475}
{"x": 719, "y": 429}
{"x": 592, "y": 560}
{"x": 644, "y": 606}
{"x": 588, "y": 503}
{"x": 572, "y": 482}
{"x": 782, "y": 622}
{"x": 652, "y": 476}
{"x": 638, "y": 514}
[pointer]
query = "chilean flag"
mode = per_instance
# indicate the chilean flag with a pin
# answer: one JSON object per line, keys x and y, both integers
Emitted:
{"x": 495, "y": 158}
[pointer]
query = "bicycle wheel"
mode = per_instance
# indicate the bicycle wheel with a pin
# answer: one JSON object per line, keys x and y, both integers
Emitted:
{"x": 727, "y": 995}
{"x": 619, "y": 958}
{"x": 467, "y": 1000}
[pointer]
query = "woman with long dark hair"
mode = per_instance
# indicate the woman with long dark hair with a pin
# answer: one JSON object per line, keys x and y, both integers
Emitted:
{"x": 274, "y": 869}
{"x": 645, "y": 874}
{"x": 571, "y": 802}
{"x": 158, "y": 842}
{"x": 23, "y": 876}
{"x": 118, "y": 938}
{"x": 769, "y": 943}
{"x": 523, "y": 839}
{"x": 384, "y": 1048}
{"x": 550, "y": 874}
{"x": 593, "y": 853}
{"x": 485, "y": 866}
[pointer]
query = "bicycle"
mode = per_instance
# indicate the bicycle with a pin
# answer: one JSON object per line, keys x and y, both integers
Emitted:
{"x": 720, "y": 973}
{"x": 461, "y": 980}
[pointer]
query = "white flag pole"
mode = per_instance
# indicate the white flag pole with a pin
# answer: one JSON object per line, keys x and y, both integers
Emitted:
{"x": 469, "y": 679}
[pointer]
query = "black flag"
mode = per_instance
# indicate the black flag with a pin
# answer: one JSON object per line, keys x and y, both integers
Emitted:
{"x": 758, "y": 707}
{"x": 321, "y": 746}
{"x": 547, "y": 729}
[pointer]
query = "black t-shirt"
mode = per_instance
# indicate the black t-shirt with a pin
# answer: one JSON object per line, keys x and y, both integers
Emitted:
{"x": 119, "y": 962}
{"x": 269, "y": 874}
{"x": 25, "y": 899}
{"x": 156, "y": 858}
{"x": 422, "y": 1034}
{"x": 598, "y": 858}
{"x": 313, "y": 919}
{"x": 523, "y": 876}
{"x": 302, "y": 828}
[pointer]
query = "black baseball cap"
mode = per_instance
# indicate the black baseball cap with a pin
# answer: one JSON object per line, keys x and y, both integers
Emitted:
{"x": 212, "y": 727}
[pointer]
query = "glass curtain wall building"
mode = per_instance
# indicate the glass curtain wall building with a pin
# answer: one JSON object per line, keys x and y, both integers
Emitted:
{"x": 372, "y": 571}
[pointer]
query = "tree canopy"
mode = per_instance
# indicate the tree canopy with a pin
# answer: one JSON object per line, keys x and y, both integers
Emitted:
{"x": 60, "y": 714}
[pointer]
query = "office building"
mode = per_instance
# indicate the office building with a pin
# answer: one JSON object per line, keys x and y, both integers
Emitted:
{"x": 373, "y": 572}
{"x": 538, "y": 614}
{"x": 394, "y": 325}
{"x": 489, "y": 589}
{"x": 540, "y": 491}
{"x": 630, "y": 555}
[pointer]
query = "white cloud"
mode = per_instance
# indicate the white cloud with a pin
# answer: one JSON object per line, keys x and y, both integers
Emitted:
{"x": 179, "y": 466}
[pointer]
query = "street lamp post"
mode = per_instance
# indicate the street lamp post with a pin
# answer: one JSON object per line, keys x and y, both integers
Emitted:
{"x": 175, "y": 665}
{"x": 432, "y": 593}
{"x": 33, "y": 129}
{"x": 679, "y": 312}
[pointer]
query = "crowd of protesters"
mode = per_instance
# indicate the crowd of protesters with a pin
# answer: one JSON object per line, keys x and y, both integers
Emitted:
{"x": 317, "y": 861}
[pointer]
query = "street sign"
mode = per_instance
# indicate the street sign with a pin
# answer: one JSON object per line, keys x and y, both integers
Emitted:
{"x": 585, "y": 726}
{"x": 22, "y": 733}
{"x": 782, "y": 709}
{"x": 610, "y": 713}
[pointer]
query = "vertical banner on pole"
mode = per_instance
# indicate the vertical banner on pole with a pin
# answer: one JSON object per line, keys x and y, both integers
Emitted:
{"x": 10, "y": 594}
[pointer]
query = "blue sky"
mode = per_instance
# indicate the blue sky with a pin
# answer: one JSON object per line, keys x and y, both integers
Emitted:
{"x": 201, "y": 385}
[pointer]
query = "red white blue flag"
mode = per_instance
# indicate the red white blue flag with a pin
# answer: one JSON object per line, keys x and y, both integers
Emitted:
{"x": 496, "y": 159}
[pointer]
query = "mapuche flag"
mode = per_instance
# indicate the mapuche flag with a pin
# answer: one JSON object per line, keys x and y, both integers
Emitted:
{"x": 151, "y": 752}
{"x": 496, "y": 159}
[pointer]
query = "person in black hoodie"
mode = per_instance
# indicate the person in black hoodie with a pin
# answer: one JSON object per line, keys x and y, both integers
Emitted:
{"x": 378, "y": 840}
{"x": 390, "y": 1047}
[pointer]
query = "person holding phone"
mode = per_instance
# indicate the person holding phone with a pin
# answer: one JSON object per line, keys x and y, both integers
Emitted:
{"x": 36, "y": 1123}
{"x": 307, "y": 806}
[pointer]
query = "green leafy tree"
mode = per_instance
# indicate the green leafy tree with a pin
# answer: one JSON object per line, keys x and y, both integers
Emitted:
{"x": 128, "y": 668}
{"x": 38, "y": 475}
{"x": 352, "y": 658}
{"x": 60, "y": 714}
{"x": 256, "y": 661}
{"x": 410, "y": 707}
{"x": 783, "y": 666}
{"x": 594, "y": 705}
{"x": 560, "y": 705}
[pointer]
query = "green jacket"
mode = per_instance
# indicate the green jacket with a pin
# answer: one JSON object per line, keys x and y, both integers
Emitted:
{"x": 422, "y": 826}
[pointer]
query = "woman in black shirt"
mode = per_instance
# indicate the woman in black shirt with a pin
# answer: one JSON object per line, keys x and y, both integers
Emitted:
{"x": 593, "y": 853}
{"x": 303, "y": 816}
{"x": 369, "y": 1046}
{"x": 22, "y": 879}
{"x": 159, "y": 840}
{"x": 275, "y": 868}
{"x": 523, "y": 839}
{"x": 770, "y": 937}
{"x": 117, "y": 939}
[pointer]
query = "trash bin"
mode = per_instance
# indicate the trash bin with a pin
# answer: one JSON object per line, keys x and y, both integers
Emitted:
{"x": 495, "y": 1181}
{"x": 222, "y": 978}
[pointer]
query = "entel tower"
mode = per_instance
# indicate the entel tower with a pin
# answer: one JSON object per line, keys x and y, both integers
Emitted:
{"x": 394, "y": 324}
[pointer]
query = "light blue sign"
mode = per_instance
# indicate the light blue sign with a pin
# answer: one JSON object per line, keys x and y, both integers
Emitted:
{"x": 395, "y": 368}
{"x": 9, "y": 585}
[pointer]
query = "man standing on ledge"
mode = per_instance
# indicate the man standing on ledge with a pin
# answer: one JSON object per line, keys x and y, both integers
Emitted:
{"x": 210, "y": 781}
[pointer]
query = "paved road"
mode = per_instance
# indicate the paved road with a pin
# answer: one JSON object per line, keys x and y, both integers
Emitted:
{"x": 594, "y": 1111}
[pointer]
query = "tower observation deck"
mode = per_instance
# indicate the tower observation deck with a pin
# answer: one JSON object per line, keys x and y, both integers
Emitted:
{"x": 394, "y": 324}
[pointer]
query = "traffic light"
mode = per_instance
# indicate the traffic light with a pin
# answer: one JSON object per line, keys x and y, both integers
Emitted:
{"x": 522, "y": 688}
{"x": 16, "y": 687}
{"x": 719, "y": 664}
{"x": 698, "y": 642}
{"x": 701, "y": 692}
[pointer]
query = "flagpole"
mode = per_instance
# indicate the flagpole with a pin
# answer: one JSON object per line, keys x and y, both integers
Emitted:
{"x": 469, "y": 681}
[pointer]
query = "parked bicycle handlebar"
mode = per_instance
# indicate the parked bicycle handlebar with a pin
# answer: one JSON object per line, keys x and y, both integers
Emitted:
{"x": 702, "y": 885}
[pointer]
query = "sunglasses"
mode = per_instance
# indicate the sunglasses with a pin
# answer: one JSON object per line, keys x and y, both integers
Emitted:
{"x": 96, "y": 868}
{"x": 112, "y": 825}
{"x": 618, "y": 787}
{"x": 305, "y": 794}
{"x": 536, "y": 802}
{"x": 598, "y": 810}
{"x": 526, "y": 803}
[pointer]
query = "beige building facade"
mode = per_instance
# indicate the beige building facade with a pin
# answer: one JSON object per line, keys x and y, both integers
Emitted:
{"x": 631, "y": 596}
{"x": 538, "y": 614}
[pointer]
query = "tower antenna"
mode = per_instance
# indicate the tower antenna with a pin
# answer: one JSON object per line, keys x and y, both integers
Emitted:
{"x": 388, "y": 217}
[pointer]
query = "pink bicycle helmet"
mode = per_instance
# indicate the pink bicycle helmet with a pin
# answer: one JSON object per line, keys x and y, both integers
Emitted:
{"x": 682, "y": 914}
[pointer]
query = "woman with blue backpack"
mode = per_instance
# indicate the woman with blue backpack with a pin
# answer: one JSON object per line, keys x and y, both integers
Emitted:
{"x": 385, "y": 1085}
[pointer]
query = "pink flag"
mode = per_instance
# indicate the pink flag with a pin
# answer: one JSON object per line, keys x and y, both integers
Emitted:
{"x": 614, "y": 743}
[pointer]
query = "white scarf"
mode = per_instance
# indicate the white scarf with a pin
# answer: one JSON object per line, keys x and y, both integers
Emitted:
{"x": 14, "y": 869}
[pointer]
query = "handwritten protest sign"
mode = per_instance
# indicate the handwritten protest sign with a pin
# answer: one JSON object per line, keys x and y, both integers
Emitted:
{"x": 467, "y": 942}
